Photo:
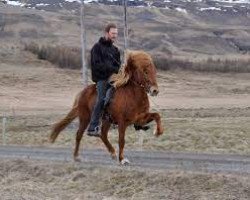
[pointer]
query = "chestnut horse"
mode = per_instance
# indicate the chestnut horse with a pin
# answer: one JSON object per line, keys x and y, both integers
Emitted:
{"x": 130, "y": 103}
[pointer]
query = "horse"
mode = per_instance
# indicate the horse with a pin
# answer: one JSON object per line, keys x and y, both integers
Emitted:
{"x": 130, "y": 104}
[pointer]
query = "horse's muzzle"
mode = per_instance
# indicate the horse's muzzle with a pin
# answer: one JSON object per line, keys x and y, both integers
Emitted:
{"x": 153, "y": 91}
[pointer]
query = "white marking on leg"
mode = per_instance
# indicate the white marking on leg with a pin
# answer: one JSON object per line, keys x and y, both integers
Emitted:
{"x": 155, "y": 131}
{"x": 125, "y": 161}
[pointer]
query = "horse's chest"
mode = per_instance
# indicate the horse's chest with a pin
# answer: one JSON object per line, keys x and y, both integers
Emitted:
{"x": 140, "y": 106}
{"x": 129, "y": 104}
{"x": 144, "y": 105}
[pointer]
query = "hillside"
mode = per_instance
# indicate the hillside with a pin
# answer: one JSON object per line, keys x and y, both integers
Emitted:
{"x": 166, "y": 32}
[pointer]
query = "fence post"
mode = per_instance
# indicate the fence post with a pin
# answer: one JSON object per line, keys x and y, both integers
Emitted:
{"x": 4, "y": 129}
{"x": 140, "y": 138}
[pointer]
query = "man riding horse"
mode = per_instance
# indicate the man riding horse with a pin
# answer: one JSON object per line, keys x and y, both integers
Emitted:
{"x": 130, "y": 104}
{"x": 105, "y": 61}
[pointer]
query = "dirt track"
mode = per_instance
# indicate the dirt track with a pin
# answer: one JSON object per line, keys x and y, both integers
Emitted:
{"x": 143, "y": 159}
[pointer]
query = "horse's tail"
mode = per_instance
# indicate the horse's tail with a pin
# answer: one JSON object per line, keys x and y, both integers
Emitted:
{"x": 59, "y": 126}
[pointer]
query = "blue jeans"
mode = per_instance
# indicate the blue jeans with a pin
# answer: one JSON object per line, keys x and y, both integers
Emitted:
{"x": 101, "y": 87}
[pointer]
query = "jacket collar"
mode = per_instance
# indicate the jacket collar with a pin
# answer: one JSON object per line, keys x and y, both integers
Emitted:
{"x": 106, "y": 42}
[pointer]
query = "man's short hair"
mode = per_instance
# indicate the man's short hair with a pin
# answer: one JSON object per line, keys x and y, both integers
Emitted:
{"x": 109, "y": 26}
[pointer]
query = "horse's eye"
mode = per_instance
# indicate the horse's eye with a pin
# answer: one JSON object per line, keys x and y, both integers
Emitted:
{"x": 145, "y": 72}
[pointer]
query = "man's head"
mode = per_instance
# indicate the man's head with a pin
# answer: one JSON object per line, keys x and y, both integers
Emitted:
{"x": 111, "y": 32}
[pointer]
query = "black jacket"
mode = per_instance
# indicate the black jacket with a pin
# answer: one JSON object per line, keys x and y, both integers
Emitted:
{"x": 105, "y": 60}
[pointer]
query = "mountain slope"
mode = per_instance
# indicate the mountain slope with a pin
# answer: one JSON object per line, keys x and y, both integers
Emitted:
{"x": 179, "y": 28}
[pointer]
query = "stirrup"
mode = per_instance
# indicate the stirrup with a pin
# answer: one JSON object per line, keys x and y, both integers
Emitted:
{"x": 96, "y": 132}
{"x": 139, "y": 127}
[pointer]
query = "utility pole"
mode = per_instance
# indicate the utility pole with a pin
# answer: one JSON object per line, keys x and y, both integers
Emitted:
{"x": 83, "y": 44}
{"x": 125, "y": 27}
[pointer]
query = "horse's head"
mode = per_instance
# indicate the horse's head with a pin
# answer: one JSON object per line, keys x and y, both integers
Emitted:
{"x": 142, "y": 71}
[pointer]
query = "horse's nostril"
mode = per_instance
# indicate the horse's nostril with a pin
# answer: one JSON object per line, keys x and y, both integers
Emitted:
{"x": 155, "y": 92}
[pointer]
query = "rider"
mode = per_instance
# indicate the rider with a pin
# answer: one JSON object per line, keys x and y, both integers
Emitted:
{"x": 105, "y": 61}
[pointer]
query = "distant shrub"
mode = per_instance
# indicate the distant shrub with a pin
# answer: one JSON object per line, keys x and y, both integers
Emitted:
{"x": 208, "y": 65}
{"x": 170, "y": 63}
{"x": 29, "y": 33}
{"x": 2, "y": 23}
{"x": 70, "y": 57}
{"x": 32, "y": 47}
{"x": 5, "y": 34}
{"x": 64, "y": 57}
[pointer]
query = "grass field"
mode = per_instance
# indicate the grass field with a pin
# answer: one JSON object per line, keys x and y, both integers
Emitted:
{"x": 206, "y": 112}
{"x": 201, "y": 112}
{"x": 25, "y": 179}
{"x": 185, "y": 134}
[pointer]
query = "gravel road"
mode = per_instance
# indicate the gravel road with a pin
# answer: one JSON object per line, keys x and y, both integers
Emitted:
{"x": 215, "y": 163}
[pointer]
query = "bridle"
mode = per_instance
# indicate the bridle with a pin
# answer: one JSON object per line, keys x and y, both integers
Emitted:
{"x": 146, "y": 85}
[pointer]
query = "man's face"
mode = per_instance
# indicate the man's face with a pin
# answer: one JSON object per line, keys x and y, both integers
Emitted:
{"x": 112, "y": 34}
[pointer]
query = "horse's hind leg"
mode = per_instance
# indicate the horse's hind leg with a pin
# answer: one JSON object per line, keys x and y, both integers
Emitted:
{"x": 104, "y": 137}
{"x": 82, "y": 126}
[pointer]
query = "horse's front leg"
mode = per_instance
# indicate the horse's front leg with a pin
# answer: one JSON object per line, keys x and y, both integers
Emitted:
{"x": 122, "y": 128}
{"x": 104, "y": 137}
{"x": 148, "y": 117}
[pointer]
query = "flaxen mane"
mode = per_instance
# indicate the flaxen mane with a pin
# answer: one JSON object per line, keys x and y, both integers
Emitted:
{"x": 122, "y": 77}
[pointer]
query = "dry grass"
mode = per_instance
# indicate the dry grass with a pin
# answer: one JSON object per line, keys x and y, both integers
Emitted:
{"x": 41, "y": 91}
{"x": 44, "y": 95}
{"x": 192, "y": 132}
{"x": 23, "y": 179}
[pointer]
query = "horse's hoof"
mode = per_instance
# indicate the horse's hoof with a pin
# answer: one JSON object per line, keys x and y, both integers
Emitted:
{"x": 125, "y": 162}
{"x": 51, "y": 140}
{"x": 113, "y": 156}
{"x": 76, "y": 159}
{"x": 157, "y": 133}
